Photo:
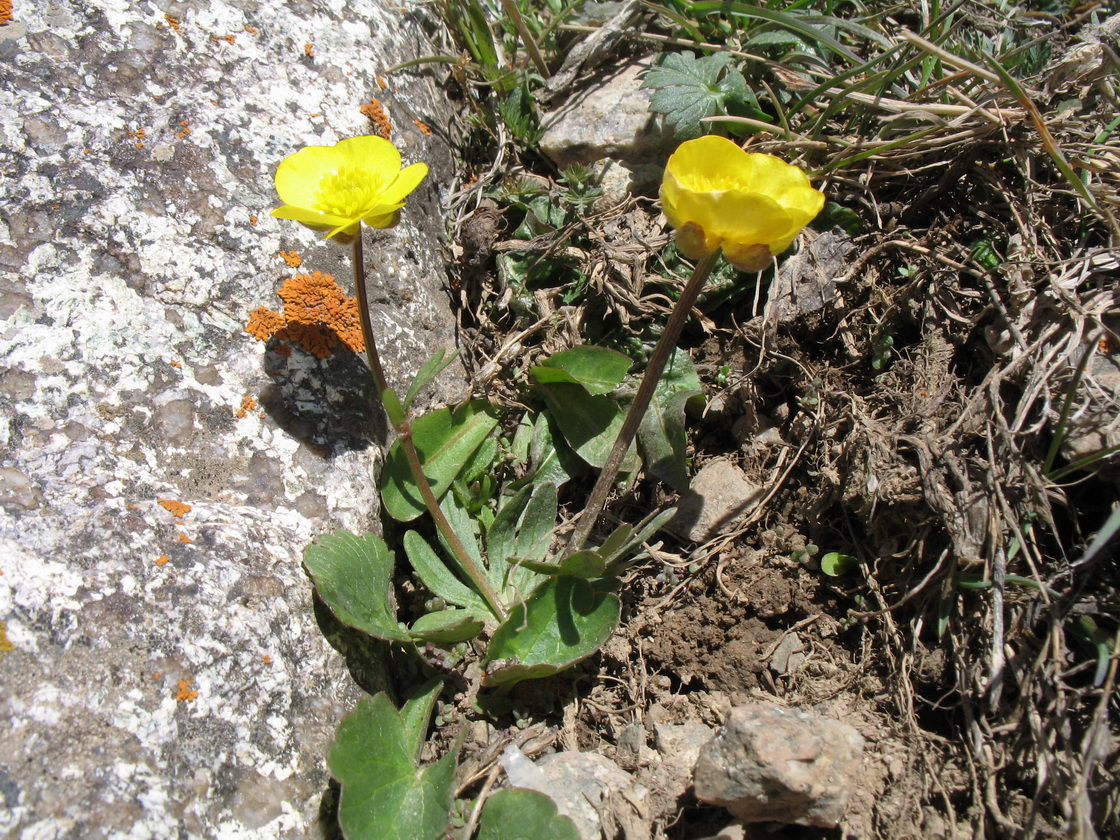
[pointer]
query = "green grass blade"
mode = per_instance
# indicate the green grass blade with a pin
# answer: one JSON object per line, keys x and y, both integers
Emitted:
{"x": 794, "y": 24}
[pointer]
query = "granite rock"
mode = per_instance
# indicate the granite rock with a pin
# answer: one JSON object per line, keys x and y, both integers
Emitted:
{"x": 160, "y": 470}
{"x": 610, "y": 119}
{"x": 772, "y": 764}
{"x": 599, "y": 797}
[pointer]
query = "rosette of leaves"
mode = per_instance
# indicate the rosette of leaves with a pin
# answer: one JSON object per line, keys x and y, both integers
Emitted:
{"x": 556, "y": 611}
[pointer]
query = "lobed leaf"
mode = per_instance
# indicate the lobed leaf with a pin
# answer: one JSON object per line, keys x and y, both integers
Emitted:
{"x": 352, "y": 576}
{"x": 385, "y": 794}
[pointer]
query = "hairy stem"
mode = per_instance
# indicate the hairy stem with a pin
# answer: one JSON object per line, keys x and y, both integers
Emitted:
{"x": 403, "y": 427}
{"x": 657, "y": 362}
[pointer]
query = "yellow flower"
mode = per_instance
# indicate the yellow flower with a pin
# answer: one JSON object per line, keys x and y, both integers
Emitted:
{"x": 336, "y": 188}
{"x": 752, "y": 206}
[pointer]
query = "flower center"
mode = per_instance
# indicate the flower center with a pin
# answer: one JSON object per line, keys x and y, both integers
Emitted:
{"x": 348, "y": 192}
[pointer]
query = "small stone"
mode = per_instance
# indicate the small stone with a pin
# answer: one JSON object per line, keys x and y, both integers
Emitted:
{"x": 720, "y": 495}
{"x": 630, "y": 743}
{"x": 610, "y": 120}
{"x": 582, "y": 785}
{"x": 680, "y": 744}
{"x": 770, "y": 764}
{"x": 787, "y": 656}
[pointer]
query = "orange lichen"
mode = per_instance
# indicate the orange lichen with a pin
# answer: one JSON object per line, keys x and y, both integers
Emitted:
{"x": 176, "y": 509}
{"x": 292, "y": 258}
{"x": 316, "y": 114}
{"x": 157, "y": 676}
{"x": 309, "y": 50}
{"x": 1108, "y": 345}
{"x": 6, "y": 645}
{"x": 264, "y": 323}
{"x": 267, "y": 659}
{"x": 173, "y": 22}
{"x": 376, "y": 115}
{"x": 317, "y": 316}
{"x": 247, "y": 404}
{"x": 251, "y": 30}
{"x": 163, "y": 560}
{"x": 318, "y": 300}
{"x": 253, "y": 221}
{"x": 184, "y": 133}
{"x": 183, "y": 538}
{"x": 423, "y": 128}
{"x": 381, "y": 83}
{"x": 186, "y": 693}
{"x": 231, "y": 39}
{"x": 176, "y": 364}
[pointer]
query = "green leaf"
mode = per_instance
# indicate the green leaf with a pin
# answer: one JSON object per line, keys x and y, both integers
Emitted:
{"x": 523, "y": 815}
{"x": 686, "y": 89}
{"x": 550, "y": 458}
{"x": 431, "y": 369}
{"x": 623, "y": 548}
{"x": 446, "y": 626}
{"x": 583, "y": 564}
{"x": 523, "y": 526}
{"x": 562, "y": 622}
{"x": 598, "y": 369}
{"x": 445, "y": 441}
{"x": 837, "y": 215}
{"x": 590, "y": 423}
{"x": 835, "y": 564}
{"x": 385, "y": 794}
{"x": 661, "y": 435}
{"x": 467, "y": 528}
{"x": 351, "y": 575}
{"x": 810, "y": 32}
{"x": 438, "y": 578}
{"x": 587, "y": 564}
{"x": 416, "y": 714}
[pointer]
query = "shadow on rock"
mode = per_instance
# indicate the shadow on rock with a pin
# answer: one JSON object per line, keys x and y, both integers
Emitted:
{"x": 329, "y": 404}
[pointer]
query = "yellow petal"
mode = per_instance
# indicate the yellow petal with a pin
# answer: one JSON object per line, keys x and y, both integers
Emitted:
{"x": 309, "y": 217}
{"x": 739, "y": 200}
{"x": 372, "y": 153}
{"x": 346, "y": 230}
{"x": 298, "y": 175}
{"x": 407, "y": 180}
{"x": 383, "y": 220}
{"x": 749, "y": 218}
{"x": 708, "y": 163}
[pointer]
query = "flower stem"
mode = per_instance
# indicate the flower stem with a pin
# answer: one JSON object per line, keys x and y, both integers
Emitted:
{"x": 637, "y": 410}
{"x": 403, "y": 427}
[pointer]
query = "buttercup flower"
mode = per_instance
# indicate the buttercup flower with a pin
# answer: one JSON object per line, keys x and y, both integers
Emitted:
{"x": 336, "y": 188}
{"x": 752, "y": 206}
